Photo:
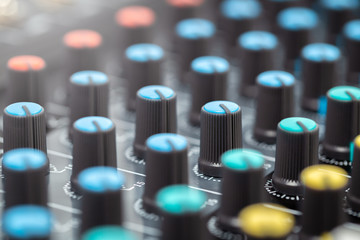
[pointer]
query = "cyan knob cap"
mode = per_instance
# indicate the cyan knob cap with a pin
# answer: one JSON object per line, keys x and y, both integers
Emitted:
{"x": 147, "y": 57}
{"x": 155, "y": 113}
{"x": 208, "y": 83}
{"x": 101, "y": 197}
{"x": 181, "y": 208}
{"x": 321, "y": 70}
{"x": 108, "y": 232}
{"x": 220, "y": 130}
{"x": 351, "y": 33}
{"x": 89, "y": 95}
{"x": 342, "y": 101}
{"x": 353, "y": 195}
{"x": 27, "y": 222}
{"x": 242, "y": 185}
{"x": 166, "y": 164}
{"x": 260, "y": 49}
{"x": 296, "y": 148}
{"x": 275, "y": 101}
{"x": 94, "y": 144}
{"x": 24, "y": 126}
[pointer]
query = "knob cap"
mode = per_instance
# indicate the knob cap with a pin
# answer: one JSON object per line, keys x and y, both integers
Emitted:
{"x": 242, "y": 185}
{"x": 89, "y": 95}
{"x": 155, "y": 113}
{"x": 321, "y": 70}
{"x": 220, "y": 130}
{"x": 208, "y": 83}
{"x": 258, "y": 52}
{"x": 148, "y": 58}
{"x": 181, "y": 209}
{"x": 352, "y": 50}
{"x": 275, "y": 101}
{"x": 25, "y": 171}
{"x": 27, "y": 222}
{"x": 26, "y": 79}
{"x": 297, "y": 28}
{"x": 323, "y": 198}
{"x": 94, "y": 144}
{"x": 273, "y": 8}
{"x": 166, "y": 164}
{"x": 193, "y": 39}
{"x": 353, "y": 195}
{"x": 266, "y": 221}
{"x": 108, "y": 232}
{"x": 342, "y": 122}
{"x": 24, "y": 126}
{"x": 296, "y": 148}
{"x": 101, "y": 202}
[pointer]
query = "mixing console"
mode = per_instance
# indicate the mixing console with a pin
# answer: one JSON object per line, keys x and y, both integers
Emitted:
{"x": 180, "y": 119}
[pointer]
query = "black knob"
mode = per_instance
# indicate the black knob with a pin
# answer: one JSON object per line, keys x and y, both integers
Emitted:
{"x": 101, "y": 197}
{"x": 24, "y": 126}
{"x": 353, "y": 195}
{"x": 27, "y": 222}
{"x": 148, "y": 58}
{"x": 155, "y": 113}
{"x": 194, "y": 38}
{"x": 321, "y": 70}
{"x": 337, "y": 13}
{"x": 323, "y": 198}
{"x": 266, "y": 221}
{"x": 89, "y": 95}
{"x": 108, "y": 232}
{"x": 220, "y": 130}
{"x": 296, "y": 148}
{"x": 272, "y": 8}
{"x": 297, "y": 28}
{"x": 275, "y": 101}
{"x": 26, "y": 81}
{"x": 342, "y": 123}
{"x": 93, "y": 145}
{"x": 242, "y": 185}
{"x": 236, "y": 18}
{"x": 25, "y": 171}
{"x": 136, "y": 24}
{"x": 258, "y": 51}
{"x": 208, "y": 83}
{"x": 352, "y": 50}
{"x": 181, "y": 207}
{"x": 166, "y": 164}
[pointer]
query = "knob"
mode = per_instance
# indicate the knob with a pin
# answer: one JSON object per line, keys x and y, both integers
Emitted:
{"x": 321, "y": 70}
{"x": 108, "y": 232}
{"x": 166, "y": 164}
{"x": 24, "y": 126}
{"x": 342, "y": 123}
{"x": 258, "y": 51}
{"x": 212, "y": 72}
{"x": 27, "y": 222}
{"x": 101, "y": 197}
{"x": 220, "y": 130}
{"x": 148, "y": 58}
{"x": 194, "y": 38}
{"x": 353, "y": 195}
{"x": 25, "y": 171}
{"x": 337, "y": 13}
{"x": 242, "y": 185}
{"x": 351, "y": 34}
{"x": 93, "y": 144}
{"x": 89, "y": 95}
{"x": 275, "y": 101}
{"x": 26, "y": 79}
{"x": 323, "y": 198}
{"x": 136, "y": 25}
{"x": 181, "y": 210}
{"x": 273, "y": 8}
{"x": 236, "y": 18}
{"x": 297, "y": 28}
{"x": 296, "y": 148}
{"x": 264, "y": 221}
{"x": 155, "y": 113}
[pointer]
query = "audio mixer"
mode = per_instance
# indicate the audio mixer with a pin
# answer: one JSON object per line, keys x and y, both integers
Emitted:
{"x": 180, "y": 119}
